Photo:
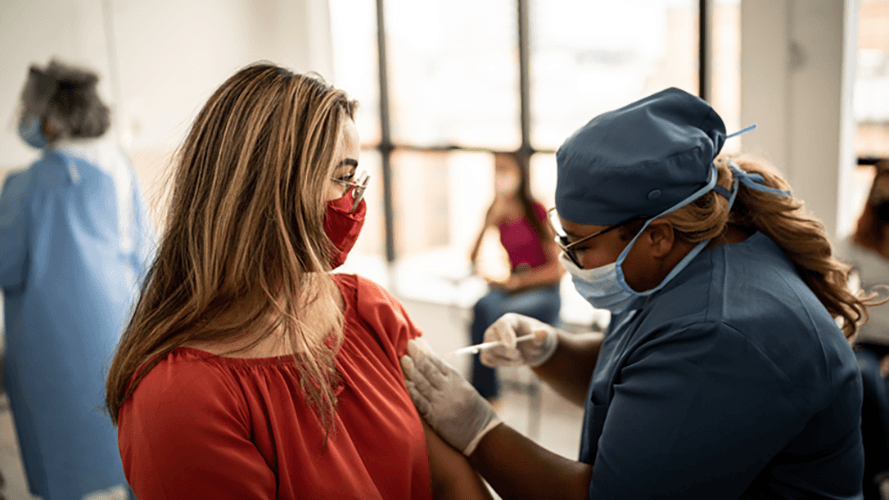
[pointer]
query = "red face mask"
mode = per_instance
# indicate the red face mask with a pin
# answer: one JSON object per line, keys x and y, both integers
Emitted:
{"x": 343, "y": 227}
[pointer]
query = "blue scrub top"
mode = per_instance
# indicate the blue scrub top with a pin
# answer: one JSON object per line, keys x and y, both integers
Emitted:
{"x": 74, "y": 244}
{"x": 732, "y": 382}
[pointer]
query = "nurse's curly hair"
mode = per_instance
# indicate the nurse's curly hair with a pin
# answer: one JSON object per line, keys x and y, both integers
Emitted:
{"x": 67, "y": 97}
{"x": 785, "y": 220}
{"x": 244, "y": 253}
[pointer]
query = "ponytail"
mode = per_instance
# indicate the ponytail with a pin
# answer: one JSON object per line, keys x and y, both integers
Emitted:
{"x": 784, "y": 220}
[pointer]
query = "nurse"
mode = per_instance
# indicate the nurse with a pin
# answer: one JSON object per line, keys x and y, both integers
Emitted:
{"x": 722, "y": 374}
{"x": 74, "y": 241}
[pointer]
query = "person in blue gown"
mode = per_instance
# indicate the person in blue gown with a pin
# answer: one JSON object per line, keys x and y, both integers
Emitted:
{"x": 74, "y": 244}
{"x": 726, "y": 370}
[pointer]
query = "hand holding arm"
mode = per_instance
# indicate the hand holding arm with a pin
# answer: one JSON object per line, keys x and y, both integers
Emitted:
{"x": 446, "y": 400}
{"x": 513, "y": 464}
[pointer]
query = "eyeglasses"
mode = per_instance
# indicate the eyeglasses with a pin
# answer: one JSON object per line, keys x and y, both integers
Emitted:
{"x": 359, "y": 185}
{"x": 562, "y": 237}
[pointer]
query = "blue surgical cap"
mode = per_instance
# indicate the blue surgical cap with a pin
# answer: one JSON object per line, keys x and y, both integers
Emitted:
{"x": 639, "y": 160}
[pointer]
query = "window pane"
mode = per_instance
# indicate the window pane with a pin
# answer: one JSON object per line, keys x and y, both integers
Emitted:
{"x": 726, "y": 69}
{"x": 453, "y": 75}
{"x": 543, "y": 179}
{"x": 372, "y": 240}
{"x": 353, "y": 28}
{"x": 440, "y": 200}
{"x": 591, "y": 57}
{"x": 871, "y": 92}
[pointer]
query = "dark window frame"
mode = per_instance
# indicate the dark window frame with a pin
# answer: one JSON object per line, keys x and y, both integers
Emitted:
{"x": 526, "y": 150}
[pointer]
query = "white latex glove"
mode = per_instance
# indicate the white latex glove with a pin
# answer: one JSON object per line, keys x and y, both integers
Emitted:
{"x": 530, "y": 352}
{"x": 445, "y": 400}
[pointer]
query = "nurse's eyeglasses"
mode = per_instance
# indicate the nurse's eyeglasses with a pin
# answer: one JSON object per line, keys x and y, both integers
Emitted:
{"x": 359, "y": 185}
{"x": 562, "y": 237}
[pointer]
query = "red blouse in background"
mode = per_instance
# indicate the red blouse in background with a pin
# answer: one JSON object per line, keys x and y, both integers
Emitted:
{"x": 201, "y": 426}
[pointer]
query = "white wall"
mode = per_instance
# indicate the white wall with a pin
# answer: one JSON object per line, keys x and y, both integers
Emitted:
{"x": 159, "y": 60}
{"x": 797, "y": 66}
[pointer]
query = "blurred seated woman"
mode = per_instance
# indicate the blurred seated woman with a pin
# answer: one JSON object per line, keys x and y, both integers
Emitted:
{"x": 248, "y": 370}
{"x": 532, "y": 287}
{"x": 867, "y": 250}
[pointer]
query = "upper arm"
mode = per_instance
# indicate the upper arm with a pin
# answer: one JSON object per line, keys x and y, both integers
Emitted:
{"x": 452, "y": 475}
{"x": 492, "y": 215}
{"x": 486, "y": 223}
{"x": 692, "y": 418}
{"x": 189, "y": 440}
{"x": 14, "y": 200}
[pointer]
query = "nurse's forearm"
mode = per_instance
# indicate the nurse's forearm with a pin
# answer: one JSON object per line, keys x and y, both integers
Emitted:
{"x": 570, "y": 368}
{"x": 517, "y": 467}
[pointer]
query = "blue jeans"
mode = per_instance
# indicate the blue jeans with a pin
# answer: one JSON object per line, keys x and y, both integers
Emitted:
{"x": 874, "y": 416}
{"x": 539, "y": 303}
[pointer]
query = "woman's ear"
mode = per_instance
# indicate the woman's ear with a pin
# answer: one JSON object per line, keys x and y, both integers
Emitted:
{"x": 660, "y": 238}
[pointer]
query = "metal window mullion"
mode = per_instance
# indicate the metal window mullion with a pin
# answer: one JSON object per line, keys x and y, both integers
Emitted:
{"x": 385, "y": 146}
{"x": 704, "y": 49}
{"x": 525, "y": 149}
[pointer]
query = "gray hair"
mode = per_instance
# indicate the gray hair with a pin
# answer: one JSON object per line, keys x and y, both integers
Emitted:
{"x": 67, "y": 96}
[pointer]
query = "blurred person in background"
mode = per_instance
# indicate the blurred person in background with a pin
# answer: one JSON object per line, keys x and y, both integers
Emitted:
{"x": 532, "y": 287}
{"x": 248, "y": 369}
{"x": 74, "y": 244}
{"x": 726, "y": 370}
{"x": 867, "y": 251}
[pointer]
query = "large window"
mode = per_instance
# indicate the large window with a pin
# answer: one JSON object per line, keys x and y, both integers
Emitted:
{"x": 725, "y": 68}
{"x": 871, "y": 91}
{"x": 453, "y": 73}
{"x": 591, "y": 57}
{"x": 466, "y": 78}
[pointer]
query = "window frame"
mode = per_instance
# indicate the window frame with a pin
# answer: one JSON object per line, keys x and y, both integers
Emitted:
{"x": 386, "y": 147}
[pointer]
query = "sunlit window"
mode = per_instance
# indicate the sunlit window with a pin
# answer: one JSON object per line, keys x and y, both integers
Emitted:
{"x": 353, "y": 29}
{"x": 372, "y": 240}
{"x": 592, "y": 57}
{"x": 453, "y": 72}
{"x": 453, "y": 80}
{"x": 725, "y": 68}
{"x": 871, "y": 91}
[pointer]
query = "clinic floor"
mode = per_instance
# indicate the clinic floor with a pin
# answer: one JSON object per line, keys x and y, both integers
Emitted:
{"x": 444, "y": 329}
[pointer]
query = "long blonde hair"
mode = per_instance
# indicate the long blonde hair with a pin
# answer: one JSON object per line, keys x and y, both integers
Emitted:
{"x": 784, "y": 220}
{"x": 244, "y": 250}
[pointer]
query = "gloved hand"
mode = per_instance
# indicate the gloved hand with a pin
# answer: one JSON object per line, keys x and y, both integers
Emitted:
{"x": 445, "y": 400}
{"x": 507, "y": 329}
